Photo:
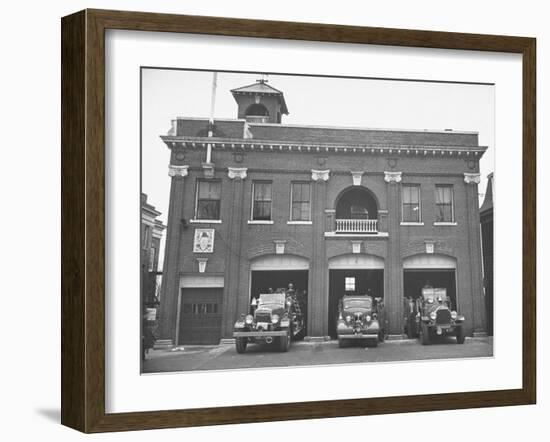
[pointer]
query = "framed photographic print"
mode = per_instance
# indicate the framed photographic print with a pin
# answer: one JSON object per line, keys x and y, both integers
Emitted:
{"x": 269, "y": 220}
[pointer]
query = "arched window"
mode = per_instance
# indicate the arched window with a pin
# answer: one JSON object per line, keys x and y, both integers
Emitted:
{"x": 356, "y": 203}
{"x": 257, "y": 110}
{"x": 356, "y": 211}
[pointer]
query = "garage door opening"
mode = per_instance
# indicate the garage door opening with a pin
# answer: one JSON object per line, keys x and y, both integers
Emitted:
{"x": 200, "y": 316}
{"x": 269, "y": 281}
{"x": 415, "y": 280}
{"x": 426, "y": 269}
{"x": 351, "y": 282}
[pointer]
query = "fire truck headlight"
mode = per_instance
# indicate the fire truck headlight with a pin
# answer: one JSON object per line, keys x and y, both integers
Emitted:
{"x": 432, "y": 315}
{"x": 275, "y": 319}
{"x": 454, "y": 315}
{"x": 249, "y": 319}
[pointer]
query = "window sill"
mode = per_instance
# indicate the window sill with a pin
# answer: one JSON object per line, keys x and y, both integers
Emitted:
{"x": 205, "y": 221}
{"x": 445, "y": 224}
{"x": 407, "y": 223}
{"x": 257, "y": 221}
{"x": 299, "y": 223}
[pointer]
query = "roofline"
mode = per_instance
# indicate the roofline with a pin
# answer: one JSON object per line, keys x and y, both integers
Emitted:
{"x": 317, "y": 126}
{"x": 151, "y": 210}
{"x": 378, "y": 129}
{"x": 207, "y": 119}
{"x": 488, "y": 209}
{"x": 159, "y": 224}
{"x": 277, "y": 91}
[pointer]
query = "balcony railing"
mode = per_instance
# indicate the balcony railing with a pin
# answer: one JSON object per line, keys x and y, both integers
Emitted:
{"x": 356, "y": 226}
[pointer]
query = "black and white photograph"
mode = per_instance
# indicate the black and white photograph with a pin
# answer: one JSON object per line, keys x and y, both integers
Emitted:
{"x": 302, "y": 220}
{"x": 248, "y": 220}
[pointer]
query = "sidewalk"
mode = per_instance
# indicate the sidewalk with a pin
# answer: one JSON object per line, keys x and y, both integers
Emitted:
{"x": 223, "y": 357}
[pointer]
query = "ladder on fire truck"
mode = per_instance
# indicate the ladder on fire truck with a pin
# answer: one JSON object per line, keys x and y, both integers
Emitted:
{"x": 298, "y": 312}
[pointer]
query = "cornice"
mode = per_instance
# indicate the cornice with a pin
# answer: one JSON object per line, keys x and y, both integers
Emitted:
{"x": 190, "y": 143}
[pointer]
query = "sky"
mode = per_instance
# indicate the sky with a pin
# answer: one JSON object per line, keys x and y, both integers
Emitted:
{"x": 326, "y": 101}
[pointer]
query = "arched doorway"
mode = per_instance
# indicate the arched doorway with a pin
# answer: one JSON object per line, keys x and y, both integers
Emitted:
{"x": 272, "y": 272}
{"x": 257, "y": 113}
{"x": 356, "y": 211}
{"x": 435, "y": 270}
{"x": 353, "y": 274}
{"x": 427, "y": 270}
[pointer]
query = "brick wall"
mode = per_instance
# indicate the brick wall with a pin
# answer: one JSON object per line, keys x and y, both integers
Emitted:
{"x": 283, "y": 167}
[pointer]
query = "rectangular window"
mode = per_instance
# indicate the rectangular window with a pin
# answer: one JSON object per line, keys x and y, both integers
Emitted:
{"x": 444, "y": 211}
{"x": 208, "y": 199}
{"x": 261, "y": 205}
{"x": 146, "y": 235}
{"x": 411, "y": 203}
{"x": 301, "y": 202}
{"x": 200, "y": 309}
{"x": 152, "y": 256}
{"x": 211, "y": 309}
{"x": 350, "y": 284}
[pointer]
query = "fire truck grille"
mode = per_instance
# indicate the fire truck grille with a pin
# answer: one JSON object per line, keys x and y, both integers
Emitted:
{"x": 263, "y": 317}
{"x": 443, "y": 316}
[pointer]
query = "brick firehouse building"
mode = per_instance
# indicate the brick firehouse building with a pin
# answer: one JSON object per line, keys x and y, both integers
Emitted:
{"x": 257, "y": 204}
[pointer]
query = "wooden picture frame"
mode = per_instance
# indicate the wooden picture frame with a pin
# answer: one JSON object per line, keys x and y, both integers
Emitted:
{"x": 83, "y": 220}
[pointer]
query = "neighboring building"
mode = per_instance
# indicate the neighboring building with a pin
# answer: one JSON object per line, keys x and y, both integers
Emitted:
{"x": 486, "y": 219}
{"x": 151, "y": 236}
{"x": 333, "y": 210}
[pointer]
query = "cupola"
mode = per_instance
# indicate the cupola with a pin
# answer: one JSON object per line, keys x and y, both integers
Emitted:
{"x": 260, "y": 103}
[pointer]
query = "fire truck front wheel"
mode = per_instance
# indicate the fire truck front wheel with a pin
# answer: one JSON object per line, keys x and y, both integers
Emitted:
{"x": 240, "y": 344}
{"x": 284, "y": 342}
{"x": 424, "y": 334}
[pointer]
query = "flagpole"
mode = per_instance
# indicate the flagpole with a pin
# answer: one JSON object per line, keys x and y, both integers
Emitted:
{"x": 211, "y": 122}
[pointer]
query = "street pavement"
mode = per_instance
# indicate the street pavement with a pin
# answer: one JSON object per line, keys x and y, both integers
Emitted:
{"x": 223, "y": 357}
